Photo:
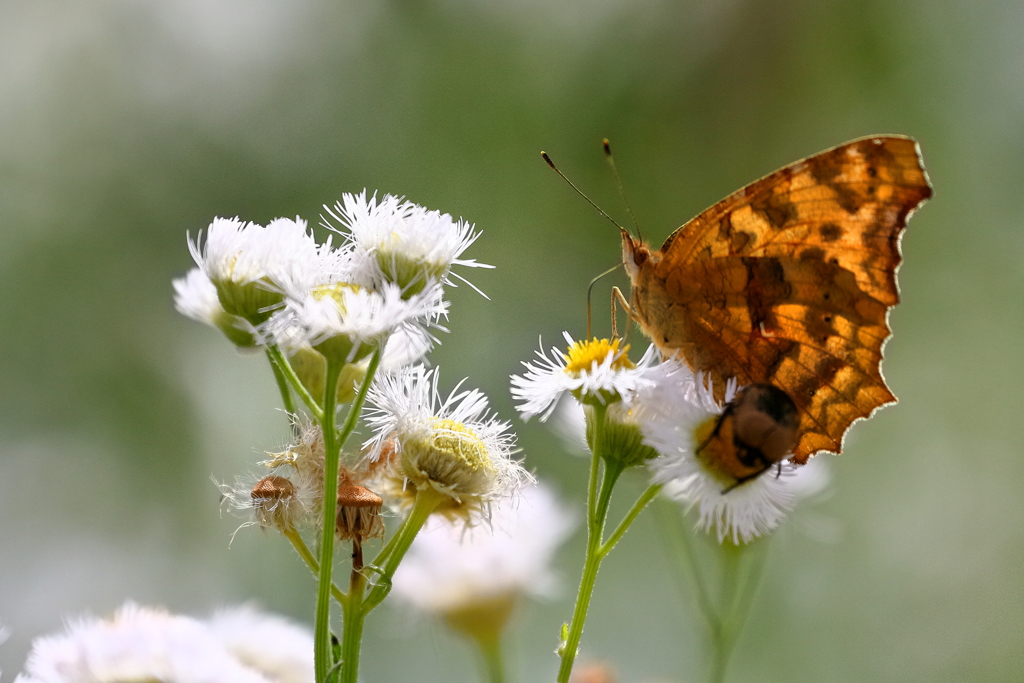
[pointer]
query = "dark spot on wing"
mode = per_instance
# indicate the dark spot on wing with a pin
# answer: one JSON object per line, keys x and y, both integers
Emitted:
{"x": 812, "y": 254}
{"x": 830, "y": 232}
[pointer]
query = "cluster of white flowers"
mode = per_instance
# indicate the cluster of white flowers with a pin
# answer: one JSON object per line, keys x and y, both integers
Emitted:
{"x": 239, "y": 645}
{"x": 382, "y": 287}
{"x": 674, "y": 412}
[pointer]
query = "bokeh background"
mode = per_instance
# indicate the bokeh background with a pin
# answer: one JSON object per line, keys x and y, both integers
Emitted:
{"x": 125, "y": 124}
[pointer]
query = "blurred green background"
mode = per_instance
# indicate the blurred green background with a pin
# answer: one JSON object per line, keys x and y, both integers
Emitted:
{"x": 126, "y": 124}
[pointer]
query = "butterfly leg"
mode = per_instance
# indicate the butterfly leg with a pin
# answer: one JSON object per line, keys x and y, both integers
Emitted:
{"x": 745, "y": 479}
{"x": 619, "y": 298}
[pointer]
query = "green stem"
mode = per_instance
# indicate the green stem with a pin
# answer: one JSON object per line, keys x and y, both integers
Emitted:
{"x": 322, "y": 623}
{"x": 742, "y": 567}
{"x": 333, "y": 441}
{"x": 303, "y": 550}
{"x": 427, "y": 500}
{"x": 681, "y": 540}
{"x": 493, "y": 661}
{"x": 357, "y": 608}
{"x": 282, "y": 384}
{"x": 352, "y": 637}
{"x": 357, "y": 405}
{"x": 600, "y": 413}
{"x": 630, "y": 517}
{"x": 595, "y": 531}
{"x": 281, "y": 363}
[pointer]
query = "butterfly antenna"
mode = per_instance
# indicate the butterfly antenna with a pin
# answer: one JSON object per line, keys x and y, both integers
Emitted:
{"x": 618, "y": 182}
{"x": 578, "y": 191}
{"x": 590, "y": 289}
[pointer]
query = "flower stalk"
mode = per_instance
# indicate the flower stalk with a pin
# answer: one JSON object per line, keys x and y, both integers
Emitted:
{"x": 359, "y": 604}
{"x": 598, "y": 500}
{"x": 281, "y": 364}
{"x": 332, "y": 449}
{"x": 738, "y": 568}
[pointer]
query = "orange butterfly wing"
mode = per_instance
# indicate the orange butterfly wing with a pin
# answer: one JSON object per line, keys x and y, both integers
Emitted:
{"x": 789, "y": 282}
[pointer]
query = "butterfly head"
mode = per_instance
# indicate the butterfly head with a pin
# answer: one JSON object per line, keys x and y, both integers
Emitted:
{"x": 635, "y": 254}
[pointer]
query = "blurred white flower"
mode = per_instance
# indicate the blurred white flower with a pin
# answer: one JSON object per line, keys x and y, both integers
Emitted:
{"x": 146, "y": 644}
{"x": 594, "y": 372}
{"x": 396, "y": 241}
{"x": 455, "y": 446}
{"x": 451, "y": 570}
{"x": 276, "y": 647}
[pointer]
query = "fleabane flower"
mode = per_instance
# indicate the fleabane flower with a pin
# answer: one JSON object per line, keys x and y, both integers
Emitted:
{"x": 347, "y": 322}
{"x": 454, "y": 447}
{"x": 679, "y": 417}
{"x": 595, "y": 372}
{"x": 146, "y": 644}
{"x": 246, "y": 261}
{"x": 394, "y": 240}
{"x": 473, "y": 578}
{"x": 195, "y": 296}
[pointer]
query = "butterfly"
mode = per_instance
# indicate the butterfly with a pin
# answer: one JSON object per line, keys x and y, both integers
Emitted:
{"x": 786, "y": 285}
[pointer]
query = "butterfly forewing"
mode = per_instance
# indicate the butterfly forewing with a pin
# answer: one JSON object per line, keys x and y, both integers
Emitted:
{"x": 789, "y": 282}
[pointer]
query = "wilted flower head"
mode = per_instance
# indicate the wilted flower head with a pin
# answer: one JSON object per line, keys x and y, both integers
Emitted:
{"x": 359, "y": 511}
{"x": 396, "y": 241}
{"x": 595, "y": 372}
{"x": 146, "y": 644}
{"x": 285, "y": 500}
{"x": 475, "y": 576}
{"x": 288, "y": 493}
{"x": 455, "y": 446}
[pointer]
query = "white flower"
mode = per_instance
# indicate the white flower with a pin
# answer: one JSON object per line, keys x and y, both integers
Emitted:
{"x": 145, "y": 644}
{"x": 451, "y": 569}
{"x": 245, "y": 252}
{"x": 396, "y": 241}
{"x": 595, "y": 371}
{"x": 195, "y": 296}
{"x": 348, "y": 321}
{"x": 454, "y": 446}
{"x": 677, "y": 415}
{"x": 246, "y": 262}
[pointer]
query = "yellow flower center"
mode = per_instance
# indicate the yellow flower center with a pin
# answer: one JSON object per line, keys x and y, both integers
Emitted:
{"x": 336, "y": 292}
{"x": 457, "y": 441}
{"x": 583, "y": 354}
